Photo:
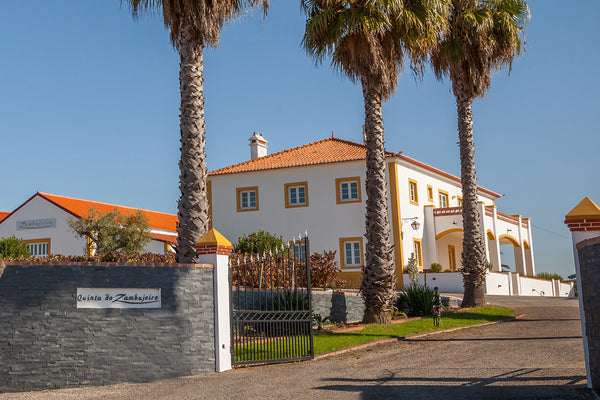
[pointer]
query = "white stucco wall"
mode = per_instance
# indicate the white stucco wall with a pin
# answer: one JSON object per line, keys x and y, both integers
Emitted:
{"x": 497, "y": 284}
{"x": 424, "y": 177}
{"x": 535, "y": 287}
{"x": 324, "y": 219}
{"x": 62, "y": 239}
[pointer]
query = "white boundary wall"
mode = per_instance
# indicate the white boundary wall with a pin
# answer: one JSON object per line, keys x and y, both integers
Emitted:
{"x": 497, "y": 283}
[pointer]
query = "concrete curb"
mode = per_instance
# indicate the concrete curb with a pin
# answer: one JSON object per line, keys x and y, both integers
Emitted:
{"x": 409, "y": 337}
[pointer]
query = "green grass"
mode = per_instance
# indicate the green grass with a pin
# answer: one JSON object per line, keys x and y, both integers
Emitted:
{"x": 325, "y": 342}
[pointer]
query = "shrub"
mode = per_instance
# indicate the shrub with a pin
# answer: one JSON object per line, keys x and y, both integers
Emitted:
{"x": 290, "y": 300}
{"x": 435, "y": 267}
{"x": 415, "y": 300}
{"x": 258, "y": 243}
{"x": 549, "y": 276}
{"x": 412, "y": 269}
{"x": 113, "y": 232}
{"x": 324, "y": 270}
{"x": 146, "y": 258}
{"x": 13, "y": 247}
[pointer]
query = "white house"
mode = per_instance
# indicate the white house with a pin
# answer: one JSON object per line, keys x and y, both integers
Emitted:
{"x": 319, "y": 187}
{"x": 42, "y": 223}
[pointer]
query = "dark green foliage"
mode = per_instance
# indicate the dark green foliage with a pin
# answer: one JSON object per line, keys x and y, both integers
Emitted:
{"x": 258, "y": 243}
{"x": 13, "y": 247}
{"x": 319, "y": 320}
{"x": 113, "y": 232}
{"x": 290, "y": 300}
{"x": 415, "y": 300}
{"x": 548, "y": 276}
{"x": 435, "y": 267}
{"x": 146, "y": 258}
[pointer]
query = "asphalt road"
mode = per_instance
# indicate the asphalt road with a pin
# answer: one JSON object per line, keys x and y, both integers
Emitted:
{"x": 538, "y": 356}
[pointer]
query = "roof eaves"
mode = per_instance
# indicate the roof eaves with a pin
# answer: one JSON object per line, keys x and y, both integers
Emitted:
{"x": 443, "y": 173}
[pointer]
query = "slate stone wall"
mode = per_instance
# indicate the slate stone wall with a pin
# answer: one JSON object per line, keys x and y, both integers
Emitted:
{"x": 589, "y": 264}
{"x": 338, "y": 306}
{"x": 46, "y": 342}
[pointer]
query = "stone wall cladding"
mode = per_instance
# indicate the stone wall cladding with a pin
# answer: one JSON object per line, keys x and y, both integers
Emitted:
{"x": 343, "y": 306}
{"x": 589, "y": 264}
{"x": 46, "y": 342}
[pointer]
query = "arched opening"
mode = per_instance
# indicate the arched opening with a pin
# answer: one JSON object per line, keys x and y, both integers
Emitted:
{"x": 511, "y": 253}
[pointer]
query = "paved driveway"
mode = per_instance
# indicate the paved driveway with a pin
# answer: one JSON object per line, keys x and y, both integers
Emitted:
{"x": 539, "y": 356}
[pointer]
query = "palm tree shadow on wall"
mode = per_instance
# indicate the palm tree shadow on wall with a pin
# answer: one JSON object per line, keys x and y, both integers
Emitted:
{"x": 339, "y": 308}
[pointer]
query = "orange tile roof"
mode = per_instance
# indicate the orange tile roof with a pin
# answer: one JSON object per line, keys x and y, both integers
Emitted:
{"x": 3, "y": 214}
{"x": 326, "y": 151}
{"x": 172, "y": 239}
{"x": 331, "y": 150}
{"x": 79, "y": 208}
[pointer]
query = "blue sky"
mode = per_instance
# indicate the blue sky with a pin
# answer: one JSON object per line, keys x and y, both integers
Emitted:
{"x": 89, "y": 101}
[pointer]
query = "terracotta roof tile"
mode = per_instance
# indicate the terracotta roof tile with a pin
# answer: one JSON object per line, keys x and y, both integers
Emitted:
{"x": 171, "y": 239}
{"x": 3, "y": 214}
{"x": 79, "y": 208}
{"x": 331, "y": 150}
{"x": 326, "y": 151}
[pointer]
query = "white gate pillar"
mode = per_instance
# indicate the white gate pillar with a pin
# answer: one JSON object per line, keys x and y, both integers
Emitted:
{"x": 584, "y": 223}
{"x": 213, "y": 248}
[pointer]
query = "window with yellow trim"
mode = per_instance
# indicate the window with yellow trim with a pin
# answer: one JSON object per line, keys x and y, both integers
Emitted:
{"x": 247, "y": 198}
{"x": 347, "y": 190}
{"x": 459, "y": 201}
{"x": 429, "y": 193}
{"x": 38, "y": 247}
{"x": 413, "y": 192}
{"x": 296, "y": 194}
{"x": 351, "y": 252}
{"x": 418, "y": 253}
{"x": 443, "y": 197}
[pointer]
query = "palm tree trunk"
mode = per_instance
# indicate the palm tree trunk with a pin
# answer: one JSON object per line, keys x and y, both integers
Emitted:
{"x": 473, "y": 253}
{"x": 193, "y": 203}
{"x": 378, "y": 278}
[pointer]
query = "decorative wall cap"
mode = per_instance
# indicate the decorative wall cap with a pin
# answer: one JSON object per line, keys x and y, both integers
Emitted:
{"x": 585, "y": 210}
{"x": 213, "y": 238}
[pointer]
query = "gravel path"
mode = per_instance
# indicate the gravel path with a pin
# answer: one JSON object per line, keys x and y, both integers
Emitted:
{"x": 538, "y": 356}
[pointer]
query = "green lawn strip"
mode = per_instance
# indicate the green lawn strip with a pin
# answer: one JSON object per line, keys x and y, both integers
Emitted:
{"x": 326, "y": 342}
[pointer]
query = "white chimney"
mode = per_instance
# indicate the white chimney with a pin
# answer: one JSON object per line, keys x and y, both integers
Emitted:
{"x": 258, "y": 146}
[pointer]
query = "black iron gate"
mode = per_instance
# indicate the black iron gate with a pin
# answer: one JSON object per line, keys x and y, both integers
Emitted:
{"x": 271, "y": 316}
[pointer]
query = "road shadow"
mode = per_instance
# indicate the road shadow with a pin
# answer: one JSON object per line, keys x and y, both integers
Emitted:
{"x": 516, "y": 384}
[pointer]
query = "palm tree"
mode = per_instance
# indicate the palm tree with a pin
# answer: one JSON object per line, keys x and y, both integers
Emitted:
{"x": 193, "y": 24}
{"x": 482, "y": 36}
{"x": 367, "y": 40}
